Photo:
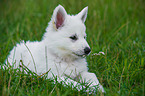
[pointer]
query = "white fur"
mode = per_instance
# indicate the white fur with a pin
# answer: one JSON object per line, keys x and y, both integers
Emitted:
{"x": 56, "y": 51}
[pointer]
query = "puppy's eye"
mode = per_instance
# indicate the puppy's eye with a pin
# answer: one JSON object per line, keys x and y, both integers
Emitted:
{"x": 74, "y": 37}
{"x": 84, "y": 37}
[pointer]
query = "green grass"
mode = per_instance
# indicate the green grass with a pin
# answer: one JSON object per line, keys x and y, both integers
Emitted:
{"x": 114, "y": 27}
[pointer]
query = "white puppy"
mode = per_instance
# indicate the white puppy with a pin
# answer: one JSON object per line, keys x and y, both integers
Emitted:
{"x": 62, "y": 50}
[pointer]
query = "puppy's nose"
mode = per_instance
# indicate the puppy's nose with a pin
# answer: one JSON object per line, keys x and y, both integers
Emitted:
{"x": 87, "y": 50}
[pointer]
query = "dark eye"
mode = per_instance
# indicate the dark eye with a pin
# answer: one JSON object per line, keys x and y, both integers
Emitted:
{"x": 84, "y": 37}
{"x": 74, "y": 37}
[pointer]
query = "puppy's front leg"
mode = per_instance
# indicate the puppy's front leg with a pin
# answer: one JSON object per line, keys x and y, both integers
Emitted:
{"x": 68, "y": 81}
{"x": 91, "y": 79}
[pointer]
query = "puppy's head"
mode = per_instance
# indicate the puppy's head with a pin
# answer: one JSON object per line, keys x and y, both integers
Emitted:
{"x": 66, "y": 33}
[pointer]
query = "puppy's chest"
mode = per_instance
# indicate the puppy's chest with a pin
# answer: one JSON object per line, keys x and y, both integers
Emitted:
{"x": 69, "y": 68}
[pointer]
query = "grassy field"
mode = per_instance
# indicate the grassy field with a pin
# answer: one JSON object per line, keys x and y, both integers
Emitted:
{"x": 116, "y": 27}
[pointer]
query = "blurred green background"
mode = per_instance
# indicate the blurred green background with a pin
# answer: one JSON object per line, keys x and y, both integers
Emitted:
{"x": 116, "y": 27}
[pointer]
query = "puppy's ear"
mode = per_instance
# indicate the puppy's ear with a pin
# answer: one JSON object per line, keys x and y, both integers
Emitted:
{"x": 83, "y": 14}
{"x": 59, "y": 16}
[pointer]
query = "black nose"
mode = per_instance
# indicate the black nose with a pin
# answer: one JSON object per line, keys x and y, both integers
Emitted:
{"x": 87, "y": 50}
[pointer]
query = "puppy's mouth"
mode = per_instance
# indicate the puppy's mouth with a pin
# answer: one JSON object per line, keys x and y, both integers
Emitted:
{"x": 83, "y": 55}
